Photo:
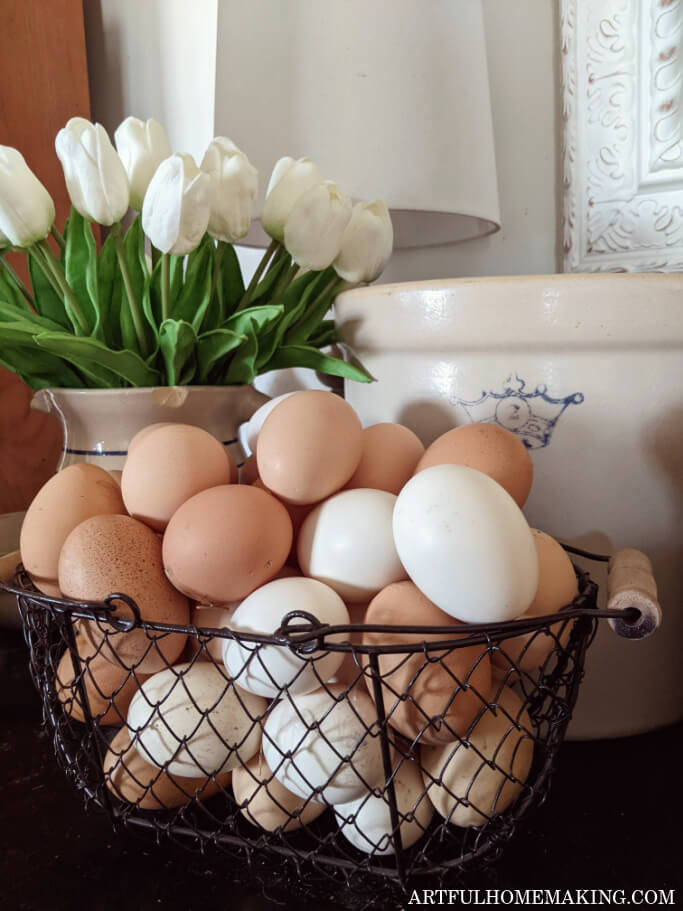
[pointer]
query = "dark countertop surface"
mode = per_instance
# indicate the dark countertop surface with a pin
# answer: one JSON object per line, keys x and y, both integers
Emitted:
{"x": 611, "y": 821}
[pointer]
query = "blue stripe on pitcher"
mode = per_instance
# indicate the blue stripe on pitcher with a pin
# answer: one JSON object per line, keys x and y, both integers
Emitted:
{"x": 119, "y": 452}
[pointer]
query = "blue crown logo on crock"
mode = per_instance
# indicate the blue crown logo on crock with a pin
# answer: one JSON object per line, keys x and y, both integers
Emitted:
{"x": 532, "y": 416}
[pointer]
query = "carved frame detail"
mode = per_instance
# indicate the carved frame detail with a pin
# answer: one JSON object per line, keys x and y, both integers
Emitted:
{"x": 622, "y": 92}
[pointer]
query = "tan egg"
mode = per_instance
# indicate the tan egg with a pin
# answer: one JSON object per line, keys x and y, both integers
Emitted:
{"x": 117, "y": 554}
{"x": 297, "y": 513}
{"x": 225, "y": 542}
{"x": 267, "y": 803}
{"x": 350, "y": 670}
{"x": 168, "y": 466}
{"x": 390, "y": 455}
{"x": 309, "y": 446}
{"x": 141, "y": 434}
{"x": 249, "y": 471}
{"x": 490, "y": 449}
{"x": 444, "y": 696}
{"x": 131, "y": 779}
{"x": 67, "y": 499}
{"x": 204, "y": 617}
{"x": 557, "y": 587}
{"x": 108, "y": 688}
{"x": 457, "y": 772}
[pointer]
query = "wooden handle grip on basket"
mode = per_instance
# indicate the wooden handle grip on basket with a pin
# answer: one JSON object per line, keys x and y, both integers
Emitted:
{"x": 630, "y": 583}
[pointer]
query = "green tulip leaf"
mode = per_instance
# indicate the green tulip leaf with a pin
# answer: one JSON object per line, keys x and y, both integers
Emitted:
{"x": 305, "y": 356}
{"x": 214, "y": 347}
{"x": 294, "y": 303}
{"x": 92, "y": 356}
{"x": 242, "y": 367}
{"x": 178, "y": 344}
{"x": 313, "y": 313}
{"x": 195, "y": 293}
{"x": 109, "y": 293}
{"x": 10, "y": 292}
{"x": 134, "y": 247}
{"x": 269, "y": 280}
{"x": 229, "y": 284}
{"x": 20, "y": 354}
{"x": 326, "y": 334}
{"x": 46, "y": 300}
{"x": 152, "y": 299}
{"x": 256, "y": 319}
{"x": 33, "y": 322}
{"x": 80, "y": 269}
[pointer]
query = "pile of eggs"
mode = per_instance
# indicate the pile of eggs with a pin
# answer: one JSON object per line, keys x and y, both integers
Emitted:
{"x": 350, "y": 525}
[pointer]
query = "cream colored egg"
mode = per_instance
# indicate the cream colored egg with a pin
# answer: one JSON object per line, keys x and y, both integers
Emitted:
{"x": 267, "y": 670}
{"x": 191, "y": 720}
{"x": 266, "y": 803}
{"x": 167, "y": 466}
{"x": 347, "y": 542}
{"x": 308, "y": 738}
{"x": 470, "y": 782}
{"x": 366, "y": 822}
{"x": 70, "y": 497}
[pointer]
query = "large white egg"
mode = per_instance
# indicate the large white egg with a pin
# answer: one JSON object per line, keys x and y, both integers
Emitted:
{"x": 257, "y": 419}
{"x": 366, "y": 822}
{"x": 191, "y": 720}
{"x": 347, "y": 542}
{"x": 466, "y": 544}
{"x": 325, "y": 744}
{"x": 267, "y": 669}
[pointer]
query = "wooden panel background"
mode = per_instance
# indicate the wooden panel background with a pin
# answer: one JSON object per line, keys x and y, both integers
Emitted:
{"x": 45, "y": 82}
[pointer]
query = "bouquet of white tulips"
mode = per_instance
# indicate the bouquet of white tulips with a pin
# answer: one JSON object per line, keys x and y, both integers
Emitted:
{"x": 164, "y": 302}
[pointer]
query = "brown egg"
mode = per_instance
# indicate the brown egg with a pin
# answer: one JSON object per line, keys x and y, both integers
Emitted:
{"x": 488, "y": 448}
{"x": 249, "y": 471}
{"x": 309, "y": 446}
{"x": 167, "y": 466}
{"x": 108, "y": 688}
{"x": 67, "y": 499}
{"x": 225, "y": 542}
{"x": 350, "y": 670}
{"x": 390, "y": 455}
{"x": 267, "y": 803}
{"x": 141, "y": 434}
{"x": 297, "y": 513}
{"x": 557, "y": 587}
{"x": 112, "y": 554}
{"x": 134, "y": 780}
{"x": 454, "y": 687}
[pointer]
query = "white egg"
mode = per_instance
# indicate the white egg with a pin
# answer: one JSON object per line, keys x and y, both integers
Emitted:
{"x": 325, "y": 744}
{"x": 191, "y": 720}
{"x": 255, "y": 423}
{"x": 466, "y": 544}
{"x": 366, "y": 822}
{"x": 347, "y": 542}
{"x": 267, "y": 669}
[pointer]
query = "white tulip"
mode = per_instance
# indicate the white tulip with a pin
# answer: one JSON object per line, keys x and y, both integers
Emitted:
{"x": 141, "y": 147}
{"x": 316, "y": 224}
{"x": 288, "y": 182}
{"x": 95, "y": 177}
{"x": 175, "y": 212}
{"x": 367, "y": 243}
{"x": 234, "y": 185}
{"x": 26, "y": 209}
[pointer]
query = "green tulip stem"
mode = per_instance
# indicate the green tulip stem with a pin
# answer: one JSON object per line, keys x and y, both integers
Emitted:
{"x": 17, "y": 281}
{"x": 165, "y": 284}
{"x": 156, "y": 255}
{"x": 217, "y": 260}
{"x": 133, "y": 303}
{"x": 284, "y": 282}
{"x": 58, "y": 237}
{"x": 53, "y": 264}
{"x": 256, "y": 277}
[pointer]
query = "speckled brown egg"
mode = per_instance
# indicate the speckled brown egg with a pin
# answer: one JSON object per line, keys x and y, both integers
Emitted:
{"x": 390, "y": 455}
{"x": 309, "y": 446}
{"x": 108, "y": 687}
{"x": 444, "y": 696}
{"x": 134, "y": 780}
{"x": 167, "y": 466}
{"x": 491, "y": 449}
{"x": 67, "y": 499}
{"x": 225, "y": 542}
{"x": 112, "y": 554}
{"x": 557, "y": 587}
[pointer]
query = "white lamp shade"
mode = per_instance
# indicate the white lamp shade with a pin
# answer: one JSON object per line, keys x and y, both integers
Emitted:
{"x": 389, "y": 97}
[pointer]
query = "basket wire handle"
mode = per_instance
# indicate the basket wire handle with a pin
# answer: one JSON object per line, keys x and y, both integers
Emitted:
{"x": 630, "y": 584}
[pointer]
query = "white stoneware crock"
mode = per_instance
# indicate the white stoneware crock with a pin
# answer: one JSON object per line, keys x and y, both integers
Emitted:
{"x": 588, "y": 371}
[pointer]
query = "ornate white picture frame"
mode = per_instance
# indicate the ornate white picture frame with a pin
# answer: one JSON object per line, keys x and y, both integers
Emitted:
{"x": 622, "y": 78}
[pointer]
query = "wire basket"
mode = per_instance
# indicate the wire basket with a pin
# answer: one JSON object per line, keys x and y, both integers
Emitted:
{"x": 382, "y": 792}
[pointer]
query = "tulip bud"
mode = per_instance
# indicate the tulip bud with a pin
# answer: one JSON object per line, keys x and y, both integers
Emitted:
{"x": 288, "y": 182}
{"x": 175, "y": 211}
{"x": 26, "y": 209}
{"x": 234, "y": 184}
{"x": 314, "y": 229}
{"x": 367, "y": 243}
{"x": 141, "y": 147}
{"x": 95, "y": 177}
